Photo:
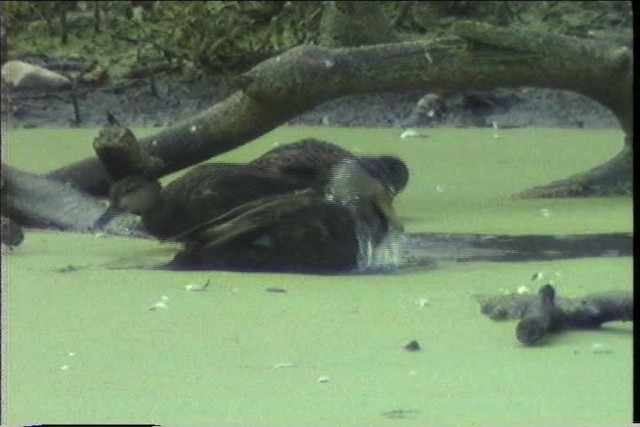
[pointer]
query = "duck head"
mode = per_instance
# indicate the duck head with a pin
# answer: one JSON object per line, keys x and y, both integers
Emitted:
{"x": 136, "y": 194}
{"x": 391, "y": 171}
{"x": 351, "y": 183}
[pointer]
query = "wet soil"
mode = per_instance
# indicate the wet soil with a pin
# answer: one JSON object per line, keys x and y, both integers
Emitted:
{"x": 168, "y": 99}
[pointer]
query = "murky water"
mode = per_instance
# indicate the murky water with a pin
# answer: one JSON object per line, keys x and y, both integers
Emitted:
{"x": 89, "y": 343}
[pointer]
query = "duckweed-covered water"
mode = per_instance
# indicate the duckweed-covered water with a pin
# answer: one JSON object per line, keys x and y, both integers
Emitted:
{"x": 88, "y": 341}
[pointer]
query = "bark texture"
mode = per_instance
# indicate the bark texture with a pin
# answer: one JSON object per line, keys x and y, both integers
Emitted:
{"x": 545, "y": 313}
{"x": 482, "y": 57}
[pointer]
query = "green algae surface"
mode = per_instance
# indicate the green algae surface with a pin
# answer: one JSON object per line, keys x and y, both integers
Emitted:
{"x": 90, "y": 338}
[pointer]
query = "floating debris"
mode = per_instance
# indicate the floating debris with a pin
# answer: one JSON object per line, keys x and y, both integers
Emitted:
{"x": 412, "y": 346}
{"x": 64, "y": 367}
{"x": 193, "y": 128}
{"x": 71, "y": 353}
{"x": 160, "y": 305}
{"x": 68, "y": 269}
{"x": 598, "y": 348}
{"x": 439, "y": 189}
{"x": 495, "y": 130}
{"x": 324, "y": 380}
{"x": 284, "y": 365}
{"x": 197, "y": 288}
{"x": 523, "y": 290}
{"x": 537, "y": 276}
{"x": 412, "y": 133}
{"x": 277, "y": 290}
{"x": 546, "y": 213}
{"x": 423, "y": 302}
{"x": 396, "y": 414}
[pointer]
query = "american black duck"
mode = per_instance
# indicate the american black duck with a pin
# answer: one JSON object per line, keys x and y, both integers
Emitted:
{"x": 312, "y": 160}
{"x": 205, "y": 192}
{"x": 210, "y": 190}
{"x": 304, "y": 231}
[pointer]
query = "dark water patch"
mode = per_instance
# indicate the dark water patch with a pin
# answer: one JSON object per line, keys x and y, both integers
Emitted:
{"x": 505, "y": 248}
{"x": 422, "y": 251}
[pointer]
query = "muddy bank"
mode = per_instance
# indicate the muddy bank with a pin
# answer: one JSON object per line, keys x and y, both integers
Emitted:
{"x": 167, "y": 100}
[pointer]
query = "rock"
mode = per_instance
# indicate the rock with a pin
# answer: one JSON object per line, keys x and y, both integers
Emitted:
{"x": 22, "y": 75}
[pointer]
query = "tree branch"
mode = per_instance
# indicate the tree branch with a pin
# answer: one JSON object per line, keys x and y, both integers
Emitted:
{"x": 545, "y": 313}
{"x": 284, "y": 86}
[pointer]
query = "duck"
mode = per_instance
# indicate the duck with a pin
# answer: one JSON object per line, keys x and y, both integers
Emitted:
{"x": 304, "y": 231}
{"x": 205, "y": 192}
{"x": 312, "y": 160}
{"x": 210, "y": 190}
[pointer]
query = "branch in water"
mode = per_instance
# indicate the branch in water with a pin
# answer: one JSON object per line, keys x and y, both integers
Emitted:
{"x": 544, "y": 313}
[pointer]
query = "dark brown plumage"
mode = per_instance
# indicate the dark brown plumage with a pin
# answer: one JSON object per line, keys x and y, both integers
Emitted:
{"x": 296, "y": 208}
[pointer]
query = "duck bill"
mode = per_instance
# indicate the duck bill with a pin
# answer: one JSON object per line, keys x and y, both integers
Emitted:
{"x": 386, "y": 207}
{"x": 110, "y": 213}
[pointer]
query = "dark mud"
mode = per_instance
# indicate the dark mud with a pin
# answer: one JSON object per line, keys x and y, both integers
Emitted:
{"x": 169, "y": 99}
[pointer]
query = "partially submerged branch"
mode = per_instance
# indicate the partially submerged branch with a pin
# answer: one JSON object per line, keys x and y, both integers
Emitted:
{"x": 544, "y": 313}
{"x": 38, "y": 201}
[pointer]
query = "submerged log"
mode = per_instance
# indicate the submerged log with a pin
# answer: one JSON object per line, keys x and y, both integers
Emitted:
{"x": 545, "y": 313}
{"x": 36, "y": 201}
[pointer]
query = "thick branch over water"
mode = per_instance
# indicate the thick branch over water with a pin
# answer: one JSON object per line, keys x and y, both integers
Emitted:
{"x": 285, "y": 86}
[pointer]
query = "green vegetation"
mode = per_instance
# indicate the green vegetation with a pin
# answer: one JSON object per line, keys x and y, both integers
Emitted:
{"x": 236, "y": 354}
{"x": 230, "y": 36}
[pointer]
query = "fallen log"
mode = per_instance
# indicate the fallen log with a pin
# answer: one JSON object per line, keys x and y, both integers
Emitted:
{"x": 545, "y": 313}
{"x": 36, "y": 201}
{"x": 484, "y": 57}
